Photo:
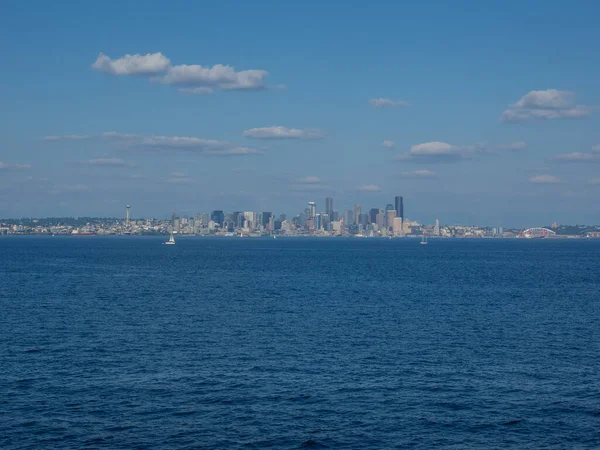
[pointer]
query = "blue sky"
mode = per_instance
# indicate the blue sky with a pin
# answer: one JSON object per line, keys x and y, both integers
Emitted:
{"x": 489, "y": 110}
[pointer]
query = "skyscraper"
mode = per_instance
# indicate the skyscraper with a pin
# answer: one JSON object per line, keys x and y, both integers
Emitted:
{"x": 373, "y": 214}
{"x": 390, "y": 215}
{"x": 399, "y": 201}
{"x": 329, "y": 206}
{"x": 127, "y": 223}
{"x": 217, "y": 216}
{"x": 356, "y": 214}
{"x": 266, "y": 216}
{"x": 312, "y": 209}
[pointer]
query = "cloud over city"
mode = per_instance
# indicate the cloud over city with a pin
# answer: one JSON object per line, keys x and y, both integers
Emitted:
{"x": 549, "y": 104}
{"x": 279, "y": 132}
{"x": 382, "y": 102}
{"x": 190, "y": 78}
{"x": 418, "y": 174}
{"x": 545, "y": 179}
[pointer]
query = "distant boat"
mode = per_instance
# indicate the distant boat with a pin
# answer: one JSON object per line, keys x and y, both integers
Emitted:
{"x": 171, "y": 240}
{"x": 424, "y": 240}
{"x": 274, "y": 237}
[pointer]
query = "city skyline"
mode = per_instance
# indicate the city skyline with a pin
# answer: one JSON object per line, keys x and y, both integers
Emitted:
{"x": 486, "y": 117}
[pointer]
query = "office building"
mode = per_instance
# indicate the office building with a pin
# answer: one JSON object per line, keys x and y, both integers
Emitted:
{"x": 397, "y": 226}
{"x": 399, "y": 203}
{"x": 266, "y": 216}
{"x": 217, "y": 217}
{"x": 390, "y": 215}
{"x": 312, "y": 209}
{"x": 329, "y": 206}
{"x": 357, "y": 212}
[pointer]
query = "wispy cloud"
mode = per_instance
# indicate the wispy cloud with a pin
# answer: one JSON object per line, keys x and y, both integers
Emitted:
{"x": 388, "y": 144}
{"x": 179, "y": 178}
{"x": 368, "y": 188}
{"x": 309, "y": 183}
{"x": 107, "y": 162}
{"x": 69, "y": 188}
{"x": 198, "y": 146}
{"x": 545, "y": 179}
{"x": 594, "y": 181}
{"x": 279, "y": 132}
{"x": 418, "y": 174}
{"x": 9, "y": 166}
{"x": 579, "y": 157}
{"x": 196, "y": 91}
{"x": 192, "y": 79}
{"x": 309, "y": 179}
{"x": 545, "y": 105}
{"x": 382, "y": 102}
{"x": 66, "y": 137}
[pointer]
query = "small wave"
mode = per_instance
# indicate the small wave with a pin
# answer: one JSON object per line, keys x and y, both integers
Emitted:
{"x": 512, "y": 422}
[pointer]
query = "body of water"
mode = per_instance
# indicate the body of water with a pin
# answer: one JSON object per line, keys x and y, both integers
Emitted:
{"x": 122, "y": 342}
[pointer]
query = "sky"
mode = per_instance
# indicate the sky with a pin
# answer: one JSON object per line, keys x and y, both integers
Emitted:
{"x": 475, "y": 112}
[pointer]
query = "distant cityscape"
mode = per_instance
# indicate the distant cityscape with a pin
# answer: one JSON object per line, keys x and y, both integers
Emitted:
{"x": 389, "y": 222}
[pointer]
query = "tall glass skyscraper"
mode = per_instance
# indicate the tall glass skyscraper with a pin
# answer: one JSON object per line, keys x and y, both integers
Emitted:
{"x": 399, "y": 203}
{"x": 329, "y": 206}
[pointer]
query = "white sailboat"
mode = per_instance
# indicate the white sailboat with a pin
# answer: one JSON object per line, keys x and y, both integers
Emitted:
{"x": 171, "y": 240}
{"x": 424, "y": 240}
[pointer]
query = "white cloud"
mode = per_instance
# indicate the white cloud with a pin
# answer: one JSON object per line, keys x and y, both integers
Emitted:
{"x": 8, "y": 166}
{"x": 218, "y": 76}
{"x": 433, "y": 148}
{"x": 193, "y": 79}
{"x": 443, "y": 152}
{"x": 545, "y": 179}
{"x": 386, "y": 103}
{"x": 577, "y": 157}
{"x": 545, "y": 105}
{"x": 309, "y": 183}
{"x": 69, "y": 188}
{"x": 108, "y": 162}
{"x": 580, "y": 156}
{"x": 148, "y": 64}
{"x": 179, "y": 178}
{"x": 202, "y": 147}
{"x": 279, "y": 132}
{"x": 388, "y": 144}
{"x": 368, "y": 188}
{"x": 418, "y": 174}
{"x": 309, "y": 179}
{"x": 309, "y": 187}
{"x": 119, "y": 136}
{"x": 67, "y": 137}
{"x": 437, "y": 152}
{"x": 595, "y": 181}
{"x": 196, "y": 91}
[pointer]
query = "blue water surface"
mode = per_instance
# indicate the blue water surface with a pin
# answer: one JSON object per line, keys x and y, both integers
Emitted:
{"x": 121, "y": 342}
